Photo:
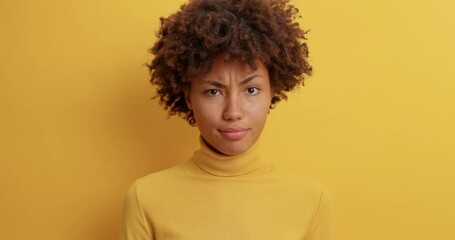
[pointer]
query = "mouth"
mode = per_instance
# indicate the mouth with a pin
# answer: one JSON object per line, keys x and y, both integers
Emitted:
{"x": 233, "y": 133}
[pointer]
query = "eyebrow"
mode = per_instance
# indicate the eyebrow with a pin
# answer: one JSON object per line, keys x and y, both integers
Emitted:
{"x": 243, "y": 82}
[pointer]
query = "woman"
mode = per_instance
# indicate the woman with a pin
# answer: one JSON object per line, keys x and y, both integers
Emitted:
{"x": 222, "y": 65}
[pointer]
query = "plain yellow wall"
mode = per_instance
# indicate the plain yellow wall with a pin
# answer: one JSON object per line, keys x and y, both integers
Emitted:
{"x": 375, "y": 123}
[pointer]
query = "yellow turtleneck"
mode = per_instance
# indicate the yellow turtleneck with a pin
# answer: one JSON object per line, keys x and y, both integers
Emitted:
{"x": 216, "y": 197}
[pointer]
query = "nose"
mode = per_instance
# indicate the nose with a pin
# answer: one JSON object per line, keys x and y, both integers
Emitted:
{"x": 233, "y": 109}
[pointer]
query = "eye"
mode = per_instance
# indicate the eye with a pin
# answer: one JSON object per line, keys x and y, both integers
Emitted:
{"x": 213, "y": 92}
{"x": 252, "y": 90}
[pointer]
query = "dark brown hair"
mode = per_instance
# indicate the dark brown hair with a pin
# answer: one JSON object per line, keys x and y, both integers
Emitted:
{"x": 244, "y": 29}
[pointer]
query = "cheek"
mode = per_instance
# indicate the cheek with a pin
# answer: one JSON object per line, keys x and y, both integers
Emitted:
{"x": 204, "y": 114}
{"x": 260, "y": 109}
{"x": 261, "y": 115}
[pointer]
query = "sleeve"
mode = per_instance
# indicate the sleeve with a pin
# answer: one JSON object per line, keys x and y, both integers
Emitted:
{"x": 134, "y": 225}
{"x": 322, "y": 227}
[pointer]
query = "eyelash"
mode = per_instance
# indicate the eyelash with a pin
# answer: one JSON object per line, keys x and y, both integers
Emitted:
{"x": 215, "y": 92}
{"x": 210, "y": 91}
{"x": 254, "y": 88}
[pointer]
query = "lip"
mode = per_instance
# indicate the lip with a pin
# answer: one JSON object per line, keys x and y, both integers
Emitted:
{"x": 235, "y": 133}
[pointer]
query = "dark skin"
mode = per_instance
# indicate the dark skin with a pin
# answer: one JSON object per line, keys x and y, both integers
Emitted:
{"x": 241, "y": 29}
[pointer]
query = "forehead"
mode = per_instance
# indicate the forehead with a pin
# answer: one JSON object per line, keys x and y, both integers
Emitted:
{"x": 221, "y": 64}
{"x": 222, "y": 67}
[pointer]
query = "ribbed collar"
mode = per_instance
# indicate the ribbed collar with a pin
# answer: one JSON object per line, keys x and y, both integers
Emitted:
{"x": 213, "y": 163}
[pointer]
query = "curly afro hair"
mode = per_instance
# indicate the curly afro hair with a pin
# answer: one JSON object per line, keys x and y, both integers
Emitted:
{"x": 188, "y": 40}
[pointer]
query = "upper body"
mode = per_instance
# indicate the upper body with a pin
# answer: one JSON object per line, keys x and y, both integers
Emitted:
{"x": 212, "y": 196}
{"x": 222, "y": 65}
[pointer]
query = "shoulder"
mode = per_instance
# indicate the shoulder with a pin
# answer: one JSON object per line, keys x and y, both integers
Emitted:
{"x": 303, "y": 187}
{"x": 159, "y": 177}
{"x": 160, "y": 182}
{"x": 298, "y": 180}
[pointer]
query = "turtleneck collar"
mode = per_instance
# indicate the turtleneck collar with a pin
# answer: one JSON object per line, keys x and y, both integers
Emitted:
{"x": 216, "y": 164}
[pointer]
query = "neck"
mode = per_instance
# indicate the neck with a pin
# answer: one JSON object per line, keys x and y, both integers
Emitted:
{"x": 216, "y": 163}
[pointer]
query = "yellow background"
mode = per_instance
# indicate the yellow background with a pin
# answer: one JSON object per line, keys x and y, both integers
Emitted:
{"x": 375, "y": 123}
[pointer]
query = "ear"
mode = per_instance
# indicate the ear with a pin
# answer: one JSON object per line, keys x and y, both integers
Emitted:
{"x": 187, "y": 92}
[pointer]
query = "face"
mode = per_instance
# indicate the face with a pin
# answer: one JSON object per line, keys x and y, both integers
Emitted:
{"x": 230, "y": 104}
